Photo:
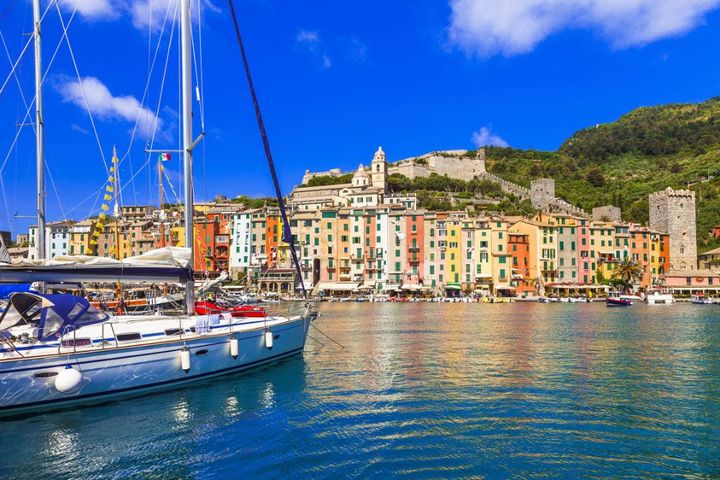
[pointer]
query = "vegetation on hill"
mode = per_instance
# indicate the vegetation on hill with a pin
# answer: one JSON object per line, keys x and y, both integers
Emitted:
{"x": 250, "y": 202}
{"x": 323, "y": 180}
{"x": 440, "y": 192}
{"x": 622, "y": 162}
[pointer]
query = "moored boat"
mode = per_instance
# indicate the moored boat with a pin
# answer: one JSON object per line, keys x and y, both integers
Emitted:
{"x": 659, "y": 298}
{"x": 701, "y": 299}
{"x": 58, "y": 350}
{"x": 618, "y": 302}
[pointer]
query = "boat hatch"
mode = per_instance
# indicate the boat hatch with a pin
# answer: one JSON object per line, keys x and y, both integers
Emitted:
{"x": 52, "y": 315}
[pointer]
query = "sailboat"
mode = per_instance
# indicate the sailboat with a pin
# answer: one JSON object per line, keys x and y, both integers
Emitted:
{"x": 59, "y": 351}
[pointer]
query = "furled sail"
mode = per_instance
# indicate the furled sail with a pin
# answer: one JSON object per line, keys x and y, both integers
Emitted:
{"x": 170, "y": 264}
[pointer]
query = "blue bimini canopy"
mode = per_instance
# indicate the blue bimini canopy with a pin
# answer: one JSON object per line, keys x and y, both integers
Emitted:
{"x": 53, "y": 315}
{"x": 9, "y": 289}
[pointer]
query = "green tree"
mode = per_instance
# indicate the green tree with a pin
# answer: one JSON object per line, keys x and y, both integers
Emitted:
{"x": 627, "y": 273}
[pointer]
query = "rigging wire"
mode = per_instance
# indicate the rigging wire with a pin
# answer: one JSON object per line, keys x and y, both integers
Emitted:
{"x": 202, "y": 97}
{"x": 34, "y": 127}
{"x": 162, "y": 89}
{"x": 5, "y": 201}
{"x": 287, "y": 233}
{"x": 22, "y": 53}
{"x": 151, "y": 69}
{"x": 32, "y": 103}
{"x": 80, "y": 82}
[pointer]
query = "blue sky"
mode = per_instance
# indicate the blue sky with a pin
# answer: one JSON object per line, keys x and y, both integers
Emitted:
{"x": 335, "y": 80}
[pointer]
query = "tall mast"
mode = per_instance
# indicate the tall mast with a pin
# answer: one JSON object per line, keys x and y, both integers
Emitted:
{"x": 187, "y": 117}
{"x": 162, "y": 202}
{"x": 116, "y": 208}
{"x": 40, "y": 136}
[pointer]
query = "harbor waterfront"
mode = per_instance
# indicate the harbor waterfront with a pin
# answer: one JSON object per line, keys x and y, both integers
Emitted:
{"x": 422, "y": 390}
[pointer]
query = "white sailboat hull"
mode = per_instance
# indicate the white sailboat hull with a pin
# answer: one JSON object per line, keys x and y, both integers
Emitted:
{"x": 29, "y": 384}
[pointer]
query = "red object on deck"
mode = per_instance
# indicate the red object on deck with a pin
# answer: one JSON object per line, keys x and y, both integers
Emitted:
{"x": 207, "y": 308}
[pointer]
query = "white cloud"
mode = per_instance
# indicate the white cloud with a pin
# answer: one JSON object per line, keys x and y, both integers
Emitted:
{"x": 91, "y": 9}
{"x": 310, "y": 41}
{"x": 490, "y": 27}
{"x": 104, "y": 105}
{"x": 79, "y": 129}
{"x": 142, "y": 13}
{"x": 308, "y": 37}
{"x": 486, "y": 137}
{"x": 145, "y": 13}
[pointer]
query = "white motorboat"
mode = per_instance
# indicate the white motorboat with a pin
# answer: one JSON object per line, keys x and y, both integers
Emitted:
{"x": 659, "y": 298}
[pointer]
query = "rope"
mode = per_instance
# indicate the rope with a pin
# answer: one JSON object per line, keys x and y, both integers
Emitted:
{"x": 287, "y": 234}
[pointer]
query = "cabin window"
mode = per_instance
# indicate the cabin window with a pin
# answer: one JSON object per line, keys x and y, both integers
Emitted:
{"x": 53, "y": 323}
{"x": 126, "y": 337}
{"x": 76, "y": 310}
{"x": 173, "y": 331}
{"x": 77, "y": 342}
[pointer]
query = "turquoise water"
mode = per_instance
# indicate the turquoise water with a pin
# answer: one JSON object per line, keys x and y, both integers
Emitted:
{"x": 422, "y": 391}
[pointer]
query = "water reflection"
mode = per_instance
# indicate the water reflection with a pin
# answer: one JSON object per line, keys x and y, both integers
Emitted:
{"x": 451, "y": 390}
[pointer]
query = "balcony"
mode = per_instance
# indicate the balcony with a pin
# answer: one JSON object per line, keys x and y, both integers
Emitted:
{"x": 414, "y": 249}
{"x": 414, "y": 261}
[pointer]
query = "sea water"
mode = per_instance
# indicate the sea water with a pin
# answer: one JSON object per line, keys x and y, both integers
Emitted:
{"x": 421, "y": 391}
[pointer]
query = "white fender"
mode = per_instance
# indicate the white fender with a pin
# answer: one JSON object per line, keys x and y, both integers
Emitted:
{"x": 185, "y": 359}
{"x": 234, "y": 347}
{"x": 68, "y": 380}
{"x": 268, "y": 339}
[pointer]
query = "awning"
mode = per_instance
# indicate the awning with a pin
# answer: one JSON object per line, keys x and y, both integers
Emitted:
{"x": 337, "y": 286}
{"x": 453, "y": 286}
{"x": 504, "y": 287}
{"x": 414, "y": 287}
{"x": 483, "y": 275}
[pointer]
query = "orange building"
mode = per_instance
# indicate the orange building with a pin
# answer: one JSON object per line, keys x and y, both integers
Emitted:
{"x": 415, "y": 244}
{"x": 519, "y": 247}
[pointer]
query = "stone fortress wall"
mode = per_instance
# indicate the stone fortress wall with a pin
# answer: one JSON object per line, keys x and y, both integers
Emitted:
{"x": 613, "y": 214}
{"x": 457, "y": 164}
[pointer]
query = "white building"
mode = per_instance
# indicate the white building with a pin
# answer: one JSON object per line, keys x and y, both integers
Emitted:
{"x": 57, "y": 239}
{"x": 241, "y": 242}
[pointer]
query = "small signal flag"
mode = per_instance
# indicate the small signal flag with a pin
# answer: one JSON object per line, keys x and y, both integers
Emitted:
{"x": 165, "y": 157}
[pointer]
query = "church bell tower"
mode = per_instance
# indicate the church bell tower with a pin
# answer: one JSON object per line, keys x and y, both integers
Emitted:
{"x": 379, "y": 170}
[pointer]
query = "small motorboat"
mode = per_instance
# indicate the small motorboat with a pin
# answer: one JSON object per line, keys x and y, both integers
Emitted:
{"x": 701, "y": 300}
{"x": 205, "y": 307}
{"x": 617, "y": 300}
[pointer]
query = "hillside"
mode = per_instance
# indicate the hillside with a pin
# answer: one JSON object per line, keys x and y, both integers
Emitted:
{"x": 620, "y": 163}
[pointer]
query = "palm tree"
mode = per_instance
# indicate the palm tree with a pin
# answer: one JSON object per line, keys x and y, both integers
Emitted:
{"x": 627, "y": 273}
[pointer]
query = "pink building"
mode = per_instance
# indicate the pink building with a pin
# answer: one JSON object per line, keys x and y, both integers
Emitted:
{"x": 693, "y": 282}
{"x": 585, "y": 261}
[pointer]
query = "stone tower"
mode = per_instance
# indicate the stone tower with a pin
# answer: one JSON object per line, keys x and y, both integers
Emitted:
{"x": 480, "y": 162}
{"x": 673, "y": 212}
{"x": 542, "y": 193}
{"x": 379, "y": 170}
